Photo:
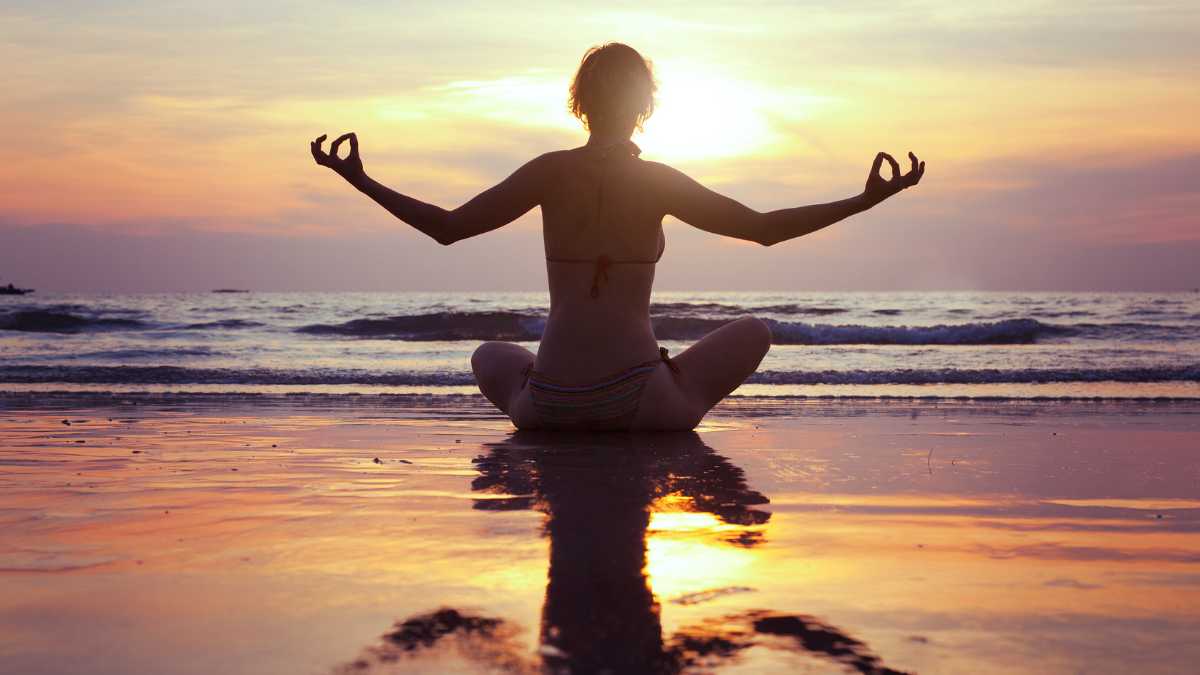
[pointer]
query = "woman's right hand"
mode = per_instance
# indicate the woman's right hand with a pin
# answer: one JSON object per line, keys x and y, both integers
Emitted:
{"x": 878, "y": 188}
{"x": 350, "y": 168}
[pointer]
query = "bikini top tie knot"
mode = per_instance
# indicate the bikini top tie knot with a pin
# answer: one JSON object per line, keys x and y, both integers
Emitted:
{"x": 603, "y": 262}
{"x": 620, "y": 147}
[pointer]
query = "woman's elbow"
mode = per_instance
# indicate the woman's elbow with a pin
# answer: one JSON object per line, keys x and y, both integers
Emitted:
{"x": 761, "y": 231}
{"x": 763, "y": 236}
{"x": 445, "y": 230}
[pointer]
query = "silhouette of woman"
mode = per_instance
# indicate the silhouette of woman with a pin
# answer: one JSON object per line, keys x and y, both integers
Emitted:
{"x": 600, "y": 614}
{"x": 599, "y": 366}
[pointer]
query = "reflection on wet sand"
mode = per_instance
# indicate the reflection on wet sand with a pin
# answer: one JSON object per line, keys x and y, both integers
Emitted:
{"x": 283, "y": 538}
{"x": 605, "y": 497}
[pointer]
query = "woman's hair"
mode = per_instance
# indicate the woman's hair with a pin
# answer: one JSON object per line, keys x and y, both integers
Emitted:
{"x": 612, "y": 84}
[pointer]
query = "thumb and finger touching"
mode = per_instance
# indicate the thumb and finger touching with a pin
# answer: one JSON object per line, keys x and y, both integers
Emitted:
{"x": 898, "y": 180}
{"x": 333, "y": 149}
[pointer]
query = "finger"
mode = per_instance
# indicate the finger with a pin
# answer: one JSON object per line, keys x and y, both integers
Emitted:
{"x": 317, "y": 153}
{"x": 878, "y": 164}
{"x": 920, "y": 171}
{"x": 912, "y": 158}
{"x": 912, "y": 176}
{"x": 894, "y": 164}
{"x": 353, "y": 144}
{"x": 333, "y": 149}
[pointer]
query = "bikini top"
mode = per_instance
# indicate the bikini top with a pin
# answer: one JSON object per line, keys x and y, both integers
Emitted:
{"x": 602, "y": 261}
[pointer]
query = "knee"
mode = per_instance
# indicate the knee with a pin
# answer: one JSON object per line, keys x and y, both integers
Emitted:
{"x": 482, "y": 354}
{"x": 758, "y": 333}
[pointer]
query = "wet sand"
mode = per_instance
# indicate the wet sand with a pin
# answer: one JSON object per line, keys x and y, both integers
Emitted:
{"x": 380, "y": 534}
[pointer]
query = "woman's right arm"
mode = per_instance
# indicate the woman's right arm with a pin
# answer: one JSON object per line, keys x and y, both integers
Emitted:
{"x": 494, "y": 208}
{"x": 710, "y": 211}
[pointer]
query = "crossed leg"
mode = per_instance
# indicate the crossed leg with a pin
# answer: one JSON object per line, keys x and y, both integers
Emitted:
{"x": 498, "y": 368}
{"x": 708, "y": 371}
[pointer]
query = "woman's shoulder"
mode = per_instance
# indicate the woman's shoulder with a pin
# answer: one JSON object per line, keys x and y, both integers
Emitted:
{"x": 564, "y": 155}
{"x": 552, "y": 161}
{"x": 560, "y": 163}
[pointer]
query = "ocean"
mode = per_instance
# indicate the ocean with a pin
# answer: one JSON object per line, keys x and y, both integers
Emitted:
{"x": 845, "y": 344}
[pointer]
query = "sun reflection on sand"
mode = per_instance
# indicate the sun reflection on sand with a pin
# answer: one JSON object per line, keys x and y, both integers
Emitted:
{"x": 690, "y": 551}
{"x": 675, "y": 568}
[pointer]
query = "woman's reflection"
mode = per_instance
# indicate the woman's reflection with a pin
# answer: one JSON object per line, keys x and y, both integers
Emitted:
{"x": 600, "y": 614}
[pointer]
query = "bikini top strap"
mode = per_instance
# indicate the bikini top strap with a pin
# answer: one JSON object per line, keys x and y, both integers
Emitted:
{"x": 630, "y": 149}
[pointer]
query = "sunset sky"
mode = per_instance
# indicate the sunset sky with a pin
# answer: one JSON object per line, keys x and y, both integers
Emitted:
{"x": 163, "y": 146}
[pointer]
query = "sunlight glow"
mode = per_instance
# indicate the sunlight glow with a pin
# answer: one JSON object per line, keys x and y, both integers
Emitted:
{"x": 534, "y": 98}
{"x": 678, "y": 566}
{"x": 686, "y": 522}
{"x": 703, "y": 115}
{"x": 684, "y": 549}
{"x": 700, "y": 112}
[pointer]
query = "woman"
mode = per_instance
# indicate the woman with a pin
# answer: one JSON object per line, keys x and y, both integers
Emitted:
{"x": 599, "y": 366}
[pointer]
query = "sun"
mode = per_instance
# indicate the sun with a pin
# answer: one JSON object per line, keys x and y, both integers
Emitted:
{"x": 702, "y": 112}
{"x": 704, "y": 115}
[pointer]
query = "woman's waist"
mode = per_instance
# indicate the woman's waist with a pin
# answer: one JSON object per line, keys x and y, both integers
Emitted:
{"x": 624, "y": 284}
{"x": 598, "y": 324}
{"x": 586, "y": 349}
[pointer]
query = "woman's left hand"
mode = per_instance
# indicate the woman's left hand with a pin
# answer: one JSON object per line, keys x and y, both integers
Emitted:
{"x": 350, "y": 168}
{"x": 878, "y": 188}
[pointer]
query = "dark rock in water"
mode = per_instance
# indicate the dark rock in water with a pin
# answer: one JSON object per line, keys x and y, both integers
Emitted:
{"x": 230, "y": 290}
{"x": 13, "y": 290}
{"x": 377, "y": 460}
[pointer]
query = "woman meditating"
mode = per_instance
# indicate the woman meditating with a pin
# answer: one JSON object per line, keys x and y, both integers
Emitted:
{"x": 598, "y": 365}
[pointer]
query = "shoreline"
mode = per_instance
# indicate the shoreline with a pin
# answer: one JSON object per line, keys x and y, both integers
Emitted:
{"x": 470, "y": 399}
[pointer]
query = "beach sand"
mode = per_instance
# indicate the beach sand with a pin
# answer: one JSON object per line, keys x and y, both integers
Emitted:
{"x": 292, "y": 534}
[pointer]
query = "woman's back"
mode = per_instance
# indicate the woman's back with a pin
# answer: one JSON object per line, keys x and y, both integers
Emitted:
{"x": 602, "y": 226}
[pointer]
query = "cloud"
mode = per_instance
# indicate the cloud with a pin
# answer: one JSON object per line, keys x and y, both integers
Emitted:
{"x": 1059, "y": 141}
{"x": 1147, "y": 201}
{"x": 1071, "y": 583}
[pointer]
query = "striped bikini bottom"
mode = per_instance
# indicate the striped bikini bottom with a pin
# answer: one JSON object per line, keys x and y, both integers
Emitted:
{"x": 608, "y": 405}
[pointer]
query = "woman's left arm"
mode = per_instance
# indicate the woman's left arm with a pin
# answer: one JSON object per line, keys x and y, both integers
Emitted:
{"x": 494, "y": 208}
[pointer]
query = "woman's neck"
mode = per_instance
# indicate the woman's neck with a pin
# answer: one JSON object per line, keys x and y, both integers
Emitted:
{"x": 608, "y": 138}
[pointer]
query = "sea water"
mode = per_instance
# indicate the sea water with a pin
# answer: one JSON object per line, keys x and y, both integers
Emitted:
{"x": 926, "y": 344}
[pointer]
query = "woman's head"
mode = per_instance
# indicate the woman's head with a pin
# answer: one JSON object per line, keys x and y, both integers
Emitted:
{"x": 613, "y": 89}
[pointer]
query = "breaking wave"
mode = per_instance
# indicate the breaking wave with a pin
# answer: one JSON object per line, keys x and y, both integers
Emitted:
{"x": 514, "y": 326}
{"x": 48, "y": 321}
